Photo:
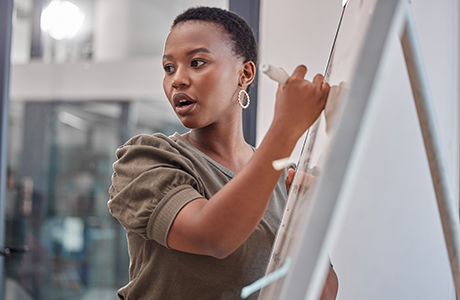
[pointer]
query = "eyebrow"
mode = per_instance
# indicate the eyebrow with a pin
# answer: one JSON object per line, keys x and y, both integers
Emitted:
{"x": 202, "y": 49}
{"x": 191, "y": 52}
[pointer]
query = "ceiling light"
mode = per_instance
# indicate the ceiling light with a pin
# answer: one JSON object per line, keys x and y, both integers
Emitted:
{"x": 62, "y": 19}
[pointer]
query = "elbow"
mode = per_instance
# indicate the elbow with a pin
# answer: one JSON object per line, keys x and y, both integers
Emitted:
{"x": 221, "y": 254}
{"x": 220, "y": 249}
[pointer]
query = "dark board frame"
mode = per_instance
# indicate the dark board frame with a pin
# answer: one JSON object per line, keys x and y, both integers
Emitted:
{"x": 6, "y": 17}
{"x": 250, "y": 11}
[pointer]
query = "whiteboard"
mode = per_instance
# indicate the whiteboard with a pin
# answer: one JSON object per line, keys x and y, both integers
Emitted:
{"x": 351, "y": 69}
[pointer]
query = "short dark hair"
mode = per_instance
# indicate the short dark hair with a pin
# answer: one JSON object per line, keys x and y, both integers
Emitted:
{"x": 240, "y": 33}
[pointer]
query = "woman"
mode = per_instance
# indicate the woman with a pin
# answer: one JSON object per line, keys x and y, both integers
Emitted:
{"x": 202, "y": 209}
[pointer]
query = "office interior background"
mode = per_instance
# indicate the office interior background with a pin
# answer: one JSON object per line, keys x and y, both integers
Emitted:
{"x": 78, "y": 94}
{"x": 86, "y": 75}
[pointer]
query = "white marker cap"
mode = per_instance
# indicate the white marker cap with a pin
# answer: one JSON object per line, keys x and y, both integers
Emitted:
{"x": 274, "y": 73}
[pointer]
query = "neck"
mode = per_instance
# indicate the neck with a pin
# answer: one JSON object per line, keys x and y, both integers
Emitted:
{"x": 223, "y": 143}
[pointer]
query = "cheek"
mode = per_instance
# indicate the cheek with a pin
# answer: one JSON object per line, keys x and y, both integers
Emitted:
{"x": 224, "y": 83}
{"x": 165, "y": 85}
{"x": 167, "y": 89}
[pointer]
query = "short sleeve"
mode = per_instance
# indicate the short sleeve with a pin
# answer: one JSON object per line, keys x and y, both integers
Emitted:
{"x": 151, "y": 183}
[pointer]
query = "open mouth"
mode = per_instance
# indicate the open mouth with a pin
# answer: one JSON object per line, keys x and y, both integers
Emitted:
{"x": 183, "y": 103}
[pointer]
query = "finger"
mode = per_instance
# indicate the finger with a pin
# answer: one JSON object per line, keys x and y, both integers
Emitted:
{"x": 289, "y": 176}
{"x": 318, "y": 80}
{"x": 280, "y": 88}
{"x": 309, "y": 180}
{"x": 288, "y": 184}
{"x": 300, "y": 71}
{"x": 291, "y": 173}
{"x": 325, "y": 87}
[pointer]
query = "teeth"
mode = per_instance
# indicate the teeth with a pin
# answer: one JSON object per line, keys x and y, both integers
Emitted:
{"x": 184, "y": 102}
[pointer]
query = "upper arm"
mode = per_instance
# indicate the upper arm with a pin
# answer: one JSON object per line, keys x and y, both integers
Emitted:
{"x": 185, "y": 233}
{"x": 150, "y": 186}
{"x": 198, "y": 232}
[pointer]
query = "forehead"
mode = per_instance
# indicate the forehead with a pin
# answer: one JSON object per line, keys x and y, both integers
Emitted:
{"x": 190, "y": 35}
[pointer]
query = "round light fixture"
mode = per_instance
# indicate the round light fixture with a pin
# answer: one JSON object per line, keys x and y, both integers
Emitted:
{"x": 61, "y": 19}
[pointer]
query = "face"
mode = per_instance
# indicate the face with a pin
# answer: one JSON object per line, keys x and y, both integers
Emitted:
{"x": 202, "y": 74}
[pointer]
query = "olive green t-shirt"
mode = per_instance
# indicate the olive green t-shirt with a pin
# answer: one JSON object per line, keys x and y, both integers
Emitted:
{"x": 154, "y": 177}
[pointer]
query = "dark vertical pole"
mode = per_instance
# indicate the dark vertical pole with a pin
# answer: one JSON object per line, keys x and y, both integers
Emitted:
{"x": 37, "y": 144}
{"x": 6, "y": 14}
{"x": 249, "y": 10}
{"x": 36, "y": 47}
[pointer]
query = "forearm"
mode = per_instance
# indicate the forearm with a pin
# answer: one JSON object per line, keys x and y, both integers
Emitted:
{"x": 232, "y": 214}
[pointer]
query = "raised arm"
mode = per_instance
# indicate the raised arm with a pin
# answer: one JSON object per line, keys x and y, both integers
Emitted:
{"x": 218, "y": 226}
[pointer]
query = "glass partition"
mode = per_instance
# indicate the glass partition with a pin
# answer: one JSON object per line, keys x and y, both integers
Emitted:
{"x": 60, "y": 164}
{"x": 65, "y": 126}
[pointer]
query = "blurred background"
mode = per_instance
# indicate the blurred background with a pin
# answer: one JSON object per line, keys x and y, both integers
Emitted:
{"x": 86, "y": 76}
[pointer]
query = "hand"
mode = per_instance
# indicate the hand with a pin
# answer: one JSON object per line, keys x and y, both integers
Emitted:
{"x": 331, "y": 286}
{"x": 303, "y": 181}
{"x": 299, "y": 103}
{"x": 288, "y": 181}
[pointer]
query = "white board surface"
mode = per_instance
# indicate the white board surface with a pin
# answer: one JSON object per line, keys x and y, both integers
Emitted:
{"x": 344, "y": 73}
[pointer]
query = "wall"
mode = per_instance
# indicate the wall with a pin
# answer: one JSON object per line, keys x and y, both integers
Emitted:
{"x": 126, "y": 29}
{"x": 390, "y": 245}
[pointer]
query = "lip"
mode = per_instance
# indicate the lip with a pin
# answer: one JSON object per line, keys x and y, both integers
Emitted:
{"x": 181, "y": 96}
{"x": 183, "y": 110}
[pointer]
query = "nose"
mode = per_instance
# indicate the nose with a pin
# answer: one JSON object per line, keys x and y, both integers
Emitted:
{"x": 181, "y": 78}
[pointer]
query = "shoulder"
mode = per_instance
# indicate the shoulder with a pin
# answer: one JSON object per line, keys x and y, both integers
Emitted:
{"x": 151, "y": 146}
{"x": 157, "y": 140}
{"x": 146, "y": 152}
{"x": 146, "y": 157}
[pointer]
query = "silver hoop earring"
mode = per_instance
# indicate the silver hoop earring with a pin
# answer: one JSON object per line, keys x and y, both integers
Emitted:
{"x": 247, "y": 97}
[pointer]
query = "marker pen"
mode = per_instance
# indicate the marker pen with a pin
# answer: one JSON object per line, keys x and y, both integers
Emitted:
{"x": 275, "y": 73}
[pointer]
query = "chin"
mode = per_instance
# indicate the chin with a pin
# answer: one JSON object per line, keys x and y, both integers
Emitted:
{"x": 189, "y": 124}
{"x": 193, "y": 122}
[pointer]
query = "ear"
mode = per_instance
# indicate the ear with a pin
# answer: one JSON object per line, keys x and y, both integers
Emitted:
{"x": 247, "y": 74}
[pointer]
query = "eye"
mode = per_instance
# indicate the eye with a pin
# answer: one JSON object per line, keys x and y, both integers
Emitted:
{"x": 169, "y": 69}
{"x": 196, "y": 63}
